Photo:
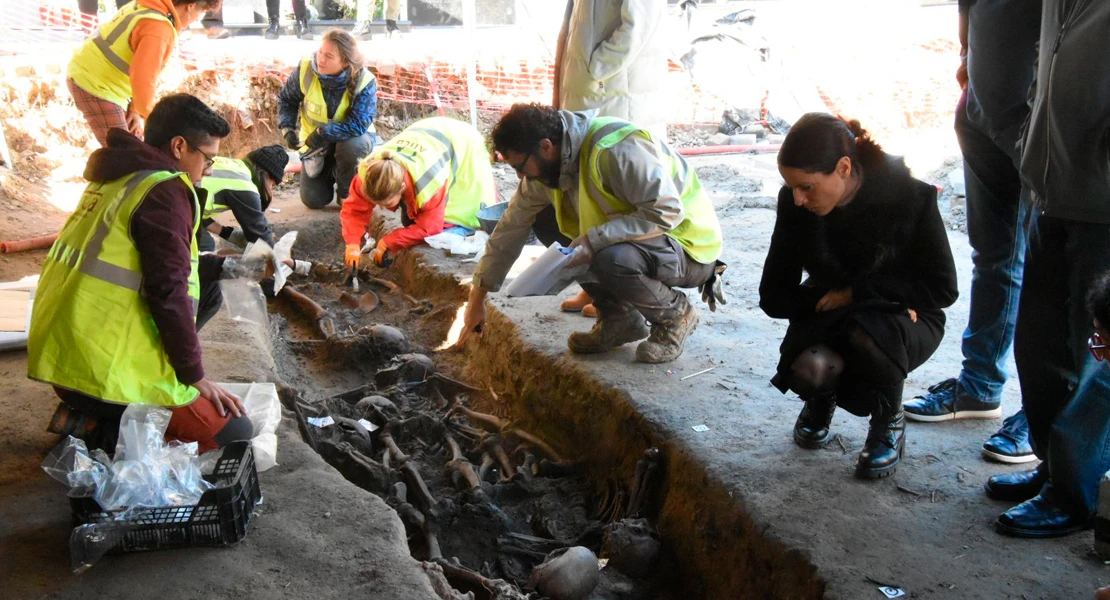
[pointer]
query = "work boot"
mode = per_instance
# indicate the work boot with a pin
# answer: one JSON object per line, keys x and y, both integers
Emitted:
{"x": 617, "y": 324}
{"x": 886, "y": 439}
{"x": 669, "y": 337}
{"x": 811, "y": 430}
{"x": 362, "y": 30}
{"x": 274, "y": 30}
{"x": 303, "y": 31}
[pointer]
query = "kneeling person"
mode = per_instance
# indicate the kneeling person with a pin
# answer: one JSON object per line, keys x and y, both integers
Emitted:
{"x": 245, "y": 187}
{"x": 437, "y": 171}
{"x": 635, "y": 211}
{"x": 123, "y": 290}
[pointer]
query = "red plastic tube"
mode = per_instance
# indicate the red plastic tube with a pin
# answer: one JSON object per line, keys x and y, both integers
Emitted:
{"x": 28, "y": 244}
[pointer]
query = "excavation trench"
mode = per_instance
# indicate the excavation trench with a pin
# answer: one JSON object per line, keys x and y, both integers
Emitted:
{"x": 498, "y": 455}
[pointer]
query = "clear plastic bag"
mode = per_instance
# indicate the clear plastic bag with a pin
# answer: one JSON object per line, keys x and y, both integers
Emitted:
{"x": 244, "y": 301}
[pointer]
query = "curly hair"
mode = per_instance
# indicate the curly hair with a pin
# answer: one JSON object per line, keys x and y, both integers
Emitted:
{"x": 522, "y": 128}
{"x": 817, "y": 141}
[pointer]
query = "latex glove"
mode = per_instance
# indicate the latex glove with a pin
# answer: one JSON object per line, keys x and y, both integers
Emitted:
{"x": 583, "y": 252}
{"x": 291, "y": 139}
{"x": 302, "y": 267}
{"x": 351, "y": 255}
{"x": 380, "y": 255}
{"x": 711, "y": 292}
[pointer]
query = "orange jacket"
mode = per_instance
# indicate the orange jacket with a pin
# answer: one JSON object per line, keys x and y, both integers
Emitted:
{"x": 426, "y": 220}
{"x": 152, "y": 42}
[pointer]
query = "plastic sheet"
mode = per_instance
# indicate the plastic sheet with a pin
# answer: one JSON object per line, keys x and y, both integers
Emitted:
{"x": 457, "y": 244}
{"x": 264, "y": 411}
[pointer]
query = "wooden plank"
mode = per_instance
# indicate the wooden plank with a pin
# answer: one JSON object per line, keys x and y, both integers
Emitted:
{"x": 14, "y": 305}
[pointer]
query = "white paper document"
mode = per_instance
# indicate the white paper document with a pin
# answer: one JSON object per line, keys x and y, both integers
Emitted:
{"x": 548, "y": 275}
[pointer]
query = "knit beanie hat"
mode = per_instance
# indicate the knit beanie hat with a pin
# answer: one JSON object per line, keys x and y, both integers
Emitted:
{"x": 271, "y": 159}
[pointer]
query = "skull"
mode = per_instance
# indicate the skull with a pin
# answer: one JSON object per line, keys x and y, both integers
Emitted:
{"x": 567, "y": 574}
{"x": 631, "y": 547}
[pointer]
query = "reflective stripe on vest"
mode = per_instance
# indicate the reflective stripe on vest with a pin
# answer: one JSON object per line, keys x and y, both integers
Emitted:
{"x": 314, "y": 108}
{"x": 700, "y": 231}
{"x": 227, "y": 174}
{"x": 92, "y": 329}
{"x": 102, "y": 65}
{"x": 438, "y": 152}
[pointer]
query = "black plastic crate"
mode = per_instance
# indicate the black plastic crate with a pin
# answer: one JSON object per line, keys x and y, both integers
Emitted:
{"x": 220, "y": 518}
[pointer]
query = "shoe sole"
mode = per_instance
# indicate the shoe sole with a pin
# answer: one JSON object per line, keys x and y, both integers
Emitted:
{"x": 1009, "y": 460}
{"x": 812, "y": 444}
{"x": 884, "y": 472}
{"x": 1040, "y": 534}
{"x": 961, "y": 414}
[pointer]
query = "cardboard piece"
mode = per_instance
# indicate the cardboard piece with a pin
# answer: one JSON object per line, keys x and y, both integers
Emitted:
{"x": 15, "y": 306}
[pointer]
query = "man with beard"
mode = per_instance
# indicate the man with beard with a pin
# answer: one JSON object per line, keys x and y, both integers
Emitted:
{"x": 636, "y": 213}
{"x": 245, "y": 187}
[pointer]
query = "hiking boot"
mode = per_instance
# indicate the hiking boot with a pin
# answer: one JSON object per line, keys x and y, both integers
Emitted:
{"x": 362, "y": 31}
{"x": 98, "y": 433}
{"x": 946, "y": 402}
{"x": 274, "y": 30}
{"x": 669, "y": 337}
{"x": 811, "y": 430}
{"x": 1010, "y": 444}
{"x": 303, "y": 30}
{"x": 886, "y": 440}
{"x": 616, "y": 325}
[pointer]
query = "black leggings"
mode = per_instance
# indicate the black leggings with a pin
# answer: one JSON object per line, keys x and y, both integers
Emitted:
{"x": 852, "y": 366}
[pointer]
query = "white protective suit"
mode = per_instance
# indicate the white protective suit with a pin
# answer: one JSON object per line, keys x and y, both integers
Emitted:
{"x": 612, "y": 56}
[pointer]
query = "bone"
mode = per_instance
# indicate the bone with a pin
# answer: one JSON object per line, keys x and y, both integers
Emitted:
{"x": 424, "y": 498}
{"x": 453, "y": 383}
{"x": 326, "y": 327}
{"x": 385, "y": 283}
{"x": 368, "y": 301}
{"x": 489, "y": 422}
{"x": 348, "y": 299}
{"x": 487, "y": 464}
{"x": 460, "y": 467}
{"x": 305, "y": 306}
{"x": 386, "y": 438}
{"x": 524, "y": 436}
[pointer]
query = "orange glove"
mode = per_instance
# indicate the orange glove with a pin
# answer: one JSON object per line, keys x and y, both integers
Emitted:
{"x": 351, "y": 255}
{"x": 380, "y": 255}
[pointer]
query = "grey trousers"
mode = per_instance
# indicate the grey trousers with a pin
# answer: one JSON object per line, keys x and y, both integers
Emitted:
{"x": 340, "y": 167}
{"x": 643, "y": 273}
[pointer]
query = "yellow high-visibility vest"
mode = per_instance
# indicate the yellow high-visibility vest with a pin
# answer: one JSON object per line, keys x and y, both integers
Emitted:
{"x": 314, "y": 109}
{"x": 700, "y": 231}
{"x": 227, "y": 174}
{"x": 102, "y": 65}
{"x": 442, "y": 151}
{"x": 91, "y": 329}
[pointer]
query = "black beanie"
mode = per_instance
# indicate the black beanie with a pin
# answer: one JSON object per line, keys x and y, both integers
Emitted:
{"x": 271, "y": 159}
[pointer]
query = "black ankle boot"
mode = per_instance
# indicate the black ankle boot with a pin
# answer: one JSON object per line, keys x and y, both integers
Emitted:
{"x": 274, "y": 30}
{"x": 811, "y": 430}
{"x": 883, "y": 449}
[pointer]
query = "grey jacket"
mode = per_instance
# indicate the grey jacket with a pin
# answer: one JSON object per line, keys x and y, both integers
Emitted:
{"x": 1066, "y": 153}
{"x": 632, "y": 170}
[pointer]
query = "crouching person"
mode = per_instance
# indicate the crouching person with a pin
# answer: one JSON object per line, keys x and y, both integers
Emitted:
{"x": 123, "y": 291}
{"x": 635, "y": 211}
{"x": 436, "y": 172}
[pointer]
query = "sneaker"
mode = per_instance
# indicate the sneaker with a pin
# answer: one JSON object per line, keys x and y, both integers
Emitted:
{"x": 1010, "y": 444}
{"x": 945, "y": 402}
{"x": 362, "y": 30}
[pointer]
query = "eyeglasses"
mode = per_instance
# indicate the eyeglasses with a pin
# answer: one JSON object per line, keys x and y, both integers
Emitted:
{"x": 1097, "y": 345}
{"x": 520, "y": 168}
{"x": 208, "y": 160}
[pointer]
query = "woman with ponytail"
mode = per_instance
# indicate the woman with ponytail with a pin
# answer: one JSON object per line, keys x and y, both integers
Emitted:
{"x": 859, "y": 264}
{"x": 437, "y": 171}
{"x": 334, "y": 99}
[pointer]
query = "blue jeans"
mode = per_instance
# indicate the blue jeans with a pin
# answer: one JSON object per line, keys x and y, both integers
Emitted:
{"x": 996, "y": 215}
{"x": 1065, "y": 391}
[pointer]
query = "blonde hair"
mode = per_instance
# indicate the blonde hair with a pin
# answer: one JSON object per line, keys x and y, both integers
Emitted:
{"x": 347, "y": 48}
{"x": 385, "y": 177}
